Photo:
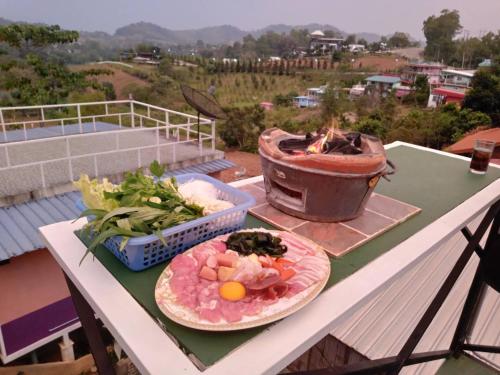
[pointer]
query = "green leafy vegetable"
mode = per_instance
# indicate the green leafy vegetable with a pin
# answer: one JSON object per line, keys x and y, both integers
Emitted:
{"x": 260, "y": 243}
{"x": 157, "y": 169}
{"x": 137, "y": 207}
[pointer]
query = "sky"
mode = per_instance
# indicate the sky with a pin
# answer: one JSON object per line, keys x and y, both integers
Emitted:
{"x": 378, "y": 16}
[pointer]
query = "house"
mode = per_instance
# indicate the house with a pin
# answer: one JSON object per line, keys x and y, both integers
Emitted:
{"x": 431, "y": 70}
{"x": 466, "y": 145}
{"x": 312, "y": 98}
{"x": 321, "y": 45}
{"x": 267, "y": 106}
{"x": 444, "y": 95}
{"x": 151, "y": 58}
{"x": 316, "y": 92}
{"x": 355, "y": 48}
{"x": 305, "y": 101}
{"x": 486, "y": 63}
{"x": 456, "y": 78}
{"x": 356, "y": 91}
{"x": 402, "y": 90}
{"x": 381, "y": 84}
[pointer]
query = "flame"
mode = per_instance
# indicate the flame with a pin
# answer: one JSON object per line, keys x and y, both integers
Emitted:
{"x": 318, "y": 147}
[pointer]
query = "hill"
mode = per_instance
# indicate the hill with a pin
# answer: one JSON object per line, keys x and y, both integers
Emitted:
{"x": 138, "y": 32}
{"x": 224, "y": 34}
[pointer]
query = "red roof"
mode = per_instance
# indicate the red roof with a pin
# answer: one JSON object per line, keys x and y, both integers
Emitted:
{"x": 466, "y": 144}
{"x": 448, "y": 93}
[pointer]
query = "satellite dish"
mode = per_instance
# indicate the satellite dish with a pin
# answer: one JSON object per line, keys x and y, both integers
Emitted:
{"x": 203, "y": 104}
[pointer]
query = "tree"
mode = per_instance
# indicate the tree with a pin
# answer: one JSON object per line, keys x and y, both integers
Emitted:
{"x": 242, "y": 127}
{"x": 363, "y": 41}
{"x": 35, "y": 80}
{"x": 23, "y": 36}
{"x": 351, "y": 39}
{"x": 371, "y": 126}
{"x": 484, "y": 95}
{"x": 439, "y": 32}
{"x": 422, "y": 90}
{"x": 399, "y": 40}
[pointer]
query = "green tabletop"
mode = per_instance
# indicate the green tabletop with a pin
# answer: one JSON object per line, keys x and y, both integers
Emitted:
{"x": 435, "y": 183}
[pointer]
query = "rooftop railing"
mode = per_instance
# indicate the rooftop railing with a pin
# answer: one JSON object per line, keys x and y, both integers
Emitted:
{"x": 57, "y": 142}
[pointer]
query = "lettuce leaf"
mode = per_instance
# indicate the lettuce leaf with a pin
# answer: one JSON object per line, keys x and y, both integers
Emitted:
{"x": 93, "y": 193}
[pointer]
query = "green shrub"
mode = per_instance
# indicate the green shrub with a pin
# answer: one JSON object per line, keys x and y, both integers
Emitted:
{"x": 242, "y": 127}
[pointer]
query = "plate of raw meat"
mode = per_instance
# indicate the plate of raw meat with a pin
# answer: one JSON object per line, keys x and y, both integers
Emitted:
{"x": 243, "y": 280}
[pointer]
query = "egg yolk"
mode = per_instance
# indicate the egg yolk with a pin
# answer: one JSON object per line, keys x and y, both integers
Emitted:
{"x": 232, "y": 291}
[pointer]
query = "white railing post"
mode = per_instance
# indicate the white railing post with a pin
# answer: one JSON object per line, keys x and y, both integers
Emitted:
{"x": 140, "y": 121}
{"x": 68, "y": 155}
{"x": 149, "y": 111}
{"x": 158, "y": 144}
{"x": 43, "y": 117}
{"x": 200, "y": 146}
{"x": 62, "y": 126}
{"x": 93, "y": 122}
{"x": 42, "y": 174}
{"x": 167, "y": 124}
{"x": 3, "y": 126}
{"x": 25, "y": 132}
{"x": 96, "y": 171}
{"x": 188, "y": 129}
{"x": 106, "y": 108}
{"x": 213, "y": 135}
{"x": 132, "y": 114}
{"x": 7, "y": 157}
{"x": 120, "y": 120}
{"x": 79, "y": 114}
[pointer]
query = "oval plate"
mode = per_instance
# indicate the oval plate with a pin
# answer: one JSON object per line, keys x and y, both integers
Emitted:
{"x": 271, "y": 313}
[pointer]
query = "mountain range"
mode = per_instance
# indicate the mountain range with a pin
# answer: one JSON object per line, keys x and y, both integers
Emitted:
{"x": 223, "y": 34}
{"x": 145, "y": 31}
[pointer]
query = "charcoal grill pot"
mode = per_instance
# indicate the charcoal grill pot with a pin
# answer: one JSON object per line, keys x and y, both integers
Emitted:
{"x": 321, "y": 187}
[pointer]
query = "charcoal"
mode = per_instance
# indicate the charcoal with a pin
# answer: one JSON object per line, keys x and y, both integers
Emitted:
{"x": 354, "y": 138}
{"x": 341, "y": 146}
{"x": 292, "y": 144}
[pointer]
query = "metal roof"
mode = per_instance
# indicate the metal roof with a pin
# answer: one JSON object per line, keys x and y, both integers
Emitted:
{"x": 381, "y": 326}
{"x": 383, "y": 79}
{"x": 19, "y": 222}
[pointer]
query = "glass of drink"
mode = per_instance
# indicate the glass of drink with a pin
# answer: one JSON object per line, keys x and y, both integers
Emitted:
{"x": 481, "y": 156}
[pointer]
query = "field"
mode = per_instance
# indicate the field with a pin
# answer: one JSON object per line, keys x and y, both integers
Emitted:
{"x": 120, "y": 79}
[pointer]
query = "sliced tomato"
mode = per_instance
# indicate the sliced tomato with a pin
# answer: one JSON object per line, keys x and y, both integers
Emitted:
{"x": 287, "y": 274}
{"x": 284, "y": 261}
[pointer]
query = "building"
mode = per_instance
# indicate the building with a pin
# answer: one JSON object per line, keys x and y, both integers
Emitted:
{"x": 486, "y": 63}
{"x": 381, "y": 84}
{"x": 303, "y": 101}
{"x": 356, "y": 91}
{"x": 356, "y": 48}
{"x": 402, "y": 90}
{"x": 431, "y": 70}
{"x": 311, "y": 99}
{"x": 267, "y": 106}
{"x": 151, "y": 58}
{"x": 444, "y": 95}
{"x": 456, "y": 78}
{"x": 466, "y": 145}
{"x": 319, "y": 44}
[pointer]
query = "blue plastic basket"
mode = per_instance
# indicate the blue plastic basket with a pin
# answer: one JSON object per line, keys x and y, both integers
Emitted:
{"x": 147, "y": 251}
